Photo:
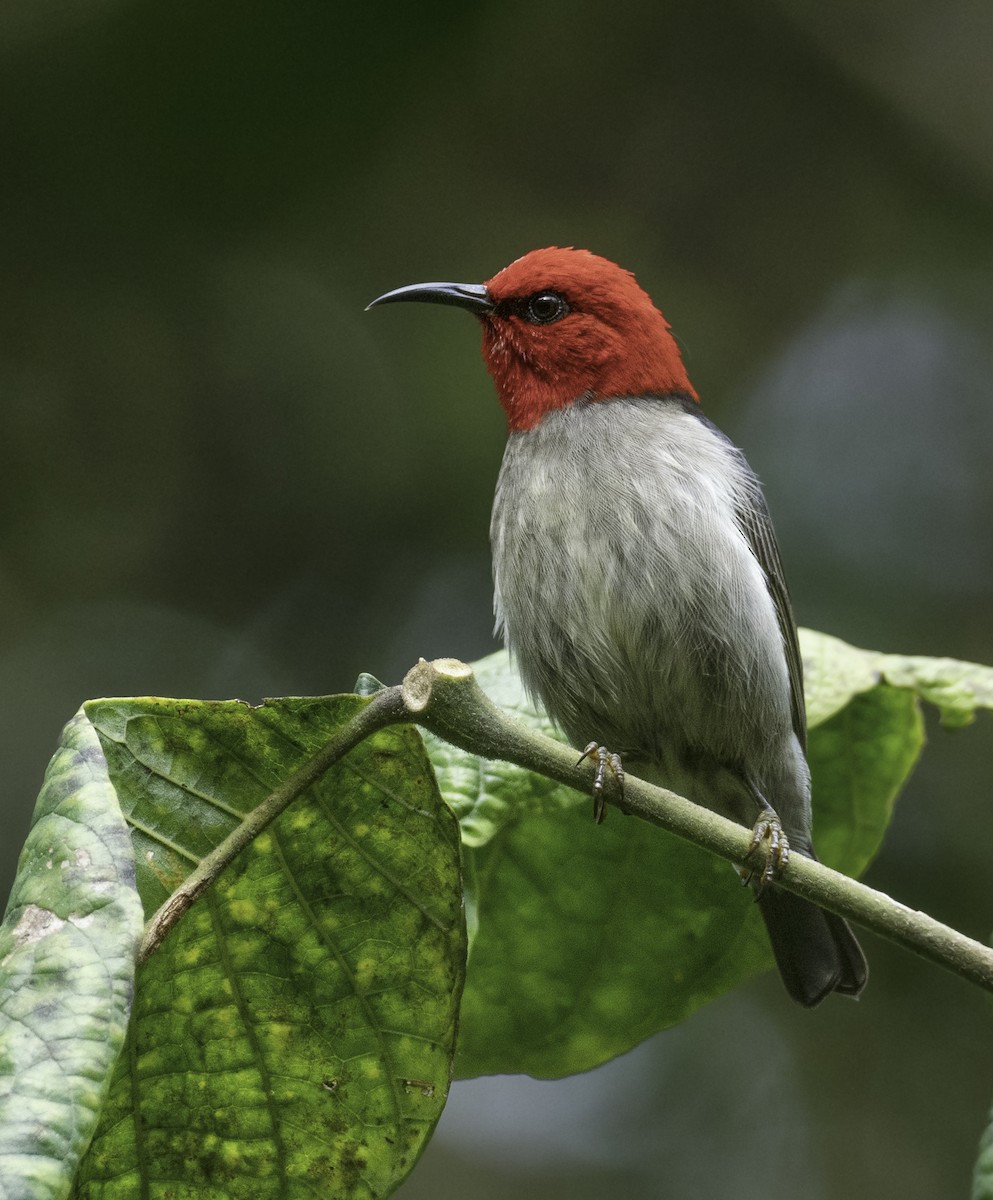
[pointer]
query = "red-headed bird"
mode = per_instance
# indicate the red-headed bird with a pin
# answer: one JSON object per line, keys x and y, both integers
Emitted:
{"x": 638, "y": 583}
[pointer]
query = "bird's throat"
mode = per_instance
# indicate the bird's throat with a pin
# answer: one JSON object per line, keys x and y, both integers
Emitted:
{"x": 541, "y": 374}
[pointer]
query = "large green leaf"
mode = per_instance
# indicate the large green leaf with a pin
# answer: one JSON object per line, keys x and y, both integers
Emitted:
{"x": 837, "y": 672}
{"x": 982, "y": 1179}
{"x": 294, "y": 1034}
{"x": 586, "y": 940}
{"x": 67, "y": 952}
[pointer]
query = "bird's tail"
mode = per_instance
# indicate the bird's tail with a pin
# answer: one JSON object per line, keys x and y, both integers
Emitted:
{"x": 815, "y": 951}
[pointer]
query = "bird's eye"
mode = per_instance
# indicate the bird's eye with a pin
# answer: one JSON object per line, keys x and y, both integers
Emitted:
{"x": 545, "y": 307}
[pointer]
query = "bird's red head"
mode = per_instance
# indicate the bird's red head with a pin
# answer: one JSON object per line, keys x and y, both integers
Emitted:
{"x": 567, "y": 324}
{"x": 560, "y": 325}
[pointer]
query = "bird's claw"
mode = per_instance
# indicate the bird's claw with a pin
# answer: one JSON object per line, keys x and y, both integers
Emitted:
{"x": 604, "y": 760}
{"x": 770, "y": 848}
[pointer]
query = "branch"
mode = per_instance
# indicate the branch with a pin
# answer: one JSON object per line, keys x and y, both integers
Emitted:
{"x": 444, "y": 697}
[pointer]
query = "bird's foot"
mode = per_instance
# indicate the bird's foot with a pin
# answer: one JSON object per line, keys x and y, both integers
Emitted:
{"x": 604, "y": 760}
{"x": 770, "y": 850}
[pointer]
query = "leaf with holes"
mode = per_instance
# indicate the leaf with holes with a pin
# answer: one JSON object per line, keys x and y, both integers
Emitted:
{"x": 294, "y": 1034}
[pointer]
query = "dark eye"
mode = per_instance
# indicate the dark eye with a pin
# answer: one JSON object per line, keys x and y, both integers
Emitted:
{"x": 545, "y": 307}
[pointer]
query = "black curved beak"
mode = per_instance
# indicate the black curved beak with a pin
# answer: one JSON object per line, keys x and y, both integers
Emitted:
{"x": 471, "y": 296}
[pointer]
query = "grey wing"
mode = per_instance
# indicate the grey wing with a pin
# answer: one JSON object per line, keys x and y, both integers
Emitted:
{"x": 756, "y": 525}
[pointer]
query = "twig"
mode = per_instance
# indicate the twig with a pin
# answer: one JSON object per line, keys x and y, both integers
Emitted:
{"x": 444, "y": 697}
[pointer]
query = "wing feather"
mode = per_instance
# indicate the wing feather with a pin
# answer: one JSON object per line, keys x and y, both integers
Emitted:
{"x": 756, "y": 524}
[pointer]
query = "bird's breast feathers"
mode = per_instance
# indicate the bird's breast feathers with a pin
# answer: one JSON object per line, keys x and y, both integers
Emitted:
{"x": 628, "y": 591}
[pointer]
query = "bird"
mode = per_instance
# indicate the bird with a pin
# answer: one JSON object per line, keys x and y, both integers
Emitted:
{"x": 638, "y": 583}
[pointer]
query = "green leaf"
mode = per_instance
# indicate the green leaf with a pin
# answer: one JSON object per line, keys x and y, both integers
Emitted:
{"x": 859, "y": 762}
{"x": 833, "y": 674}
{"x": 586, "y": 940}
{"x": 982, "y": 1180}
{"x": 294, "y": 1034}
{"x": 956, "y": 689}
{"x": 67, "y": 953}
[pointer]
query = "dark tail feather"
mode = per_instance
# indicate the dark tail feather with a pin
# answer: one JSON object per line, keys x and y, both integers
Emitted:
{"x": 815, "y": 951}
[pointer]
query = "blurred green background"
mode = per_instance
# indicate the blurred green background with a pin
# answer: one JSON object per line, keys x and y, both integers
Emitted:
{"x": 222, "y": 478}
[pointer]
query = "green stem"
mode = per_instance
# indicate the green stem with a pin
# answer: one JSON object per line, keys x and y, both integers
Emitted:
{"x": 443, "y": 696}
